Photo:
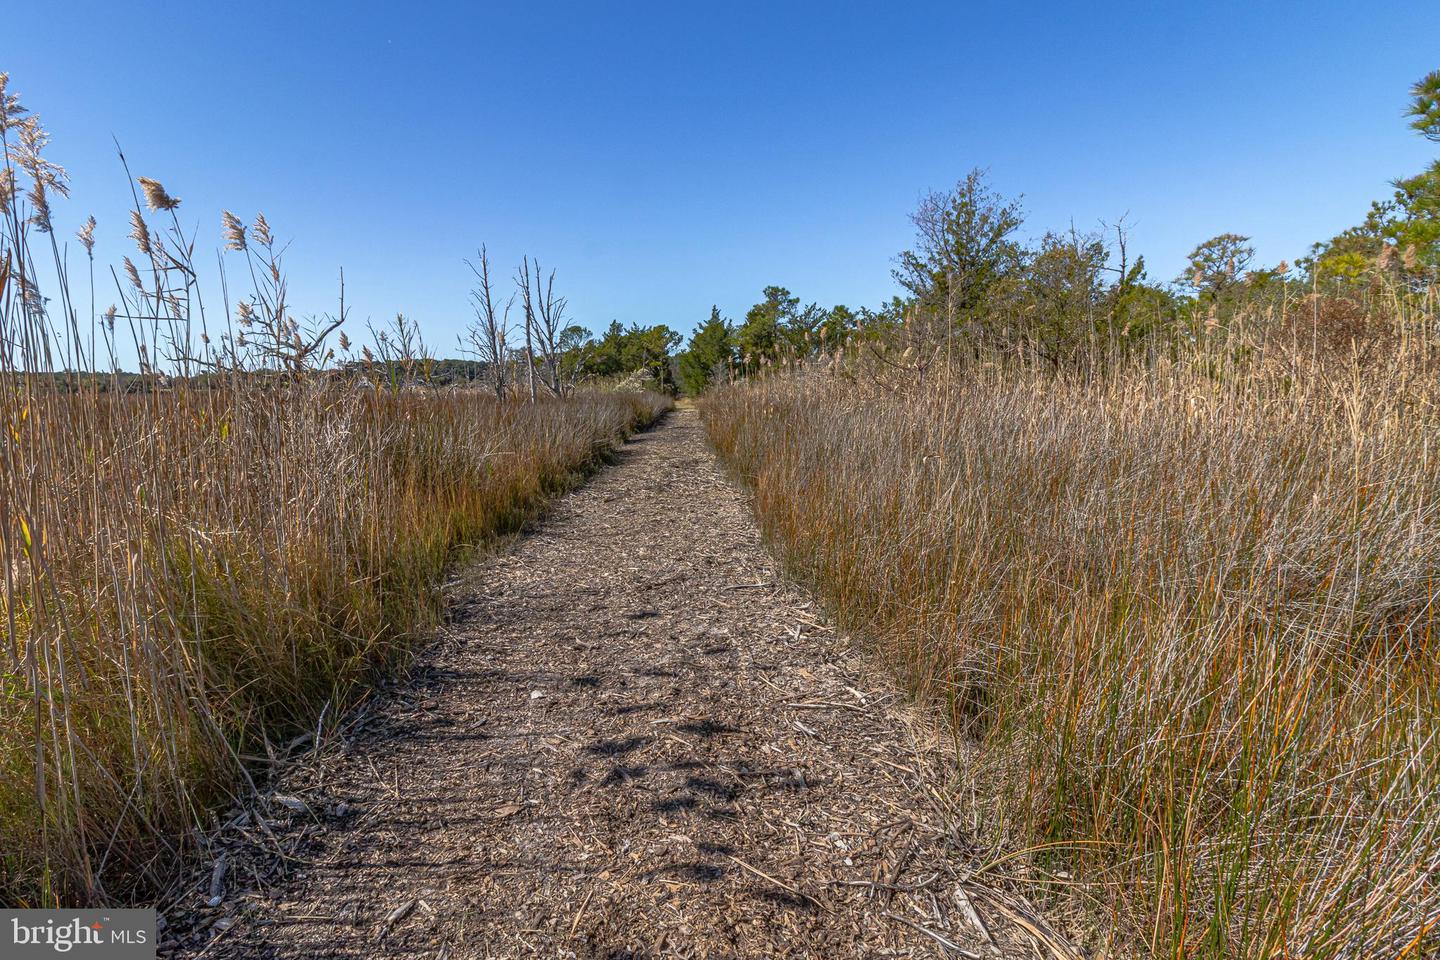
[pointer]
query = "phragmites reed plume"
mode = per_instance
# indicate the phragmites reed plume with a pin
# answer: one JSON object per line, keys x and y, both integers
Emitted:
{"x": 110, "y": 317}
{"x": 33, "y": 140}
{"x": 86, "y": 236}
{"x": 233, "y": 230}
{"x": 133, "y": 274}
{"x": 30, "y": 296}
{"x": 344, "y": 341}
{"x": 40, "y": 204}
{"x": 155, "y": 196}
{"x": 44, "y": 175}
{"x": 7, "y": 188}
{"x": 244, "y": 313}
{"x": 140, "y": 233}
{"x": 10, "y": 109}
{"x": 1386, "y": 258}
{"x": 262, "y": 230}
{"x": 1411, "y": 259}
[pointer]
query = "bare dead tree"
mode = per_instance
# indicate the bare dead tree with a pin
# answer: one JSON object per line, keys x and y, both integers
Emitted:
{"x": 522, "y": 280}
{"x": 486, "y": 337}
{"x": 545, "y": 312}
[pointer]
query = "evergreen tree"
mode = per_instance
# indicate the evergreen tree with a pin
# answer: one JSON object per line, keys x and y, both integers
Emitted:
{"x": 966, "y": 252}
{"x": 710, "y": 353}
{"x": 762, "y": 334}
{"x": 1408, "y": 223}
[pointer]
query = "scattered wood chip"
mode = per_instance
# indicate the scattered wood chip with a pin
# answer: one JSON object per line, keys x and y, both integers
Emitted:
{"x": 948, "y": 944}
{"x": 395, "y": 916}
{"x": 291, "y": 803}
{"x": 779, "y": 883}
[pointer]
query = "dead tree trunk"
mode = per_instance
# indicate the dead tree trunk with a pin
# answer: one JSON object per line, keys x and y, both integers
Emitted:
{"x": 487, "y": 336}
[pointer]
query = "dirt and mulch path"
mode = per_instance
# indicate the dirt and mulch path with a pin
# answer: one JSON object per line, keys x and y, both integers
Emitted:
{"x": 632, "y": 740}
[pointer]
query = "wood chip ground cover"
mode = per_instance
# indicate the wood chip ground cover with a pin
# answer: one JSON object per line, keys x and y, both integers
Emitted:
{"x": 632, "y": 740}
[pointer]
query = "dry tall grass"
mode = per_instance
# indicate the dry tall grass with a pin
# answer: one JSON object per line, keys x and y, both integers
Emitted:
{"x": 213, "y": 555}
{"x": 1187, "y": 609}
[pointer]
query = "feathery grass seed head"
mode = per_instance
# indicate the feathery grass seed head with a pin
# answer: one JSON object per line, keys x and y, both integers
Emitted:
{"x": 155, "y": 196}
{"x": 140, "y": 233}
{"x": 40, "y": 206}
{"x": 86, "y": 236}
{"x": 233, "y": 230}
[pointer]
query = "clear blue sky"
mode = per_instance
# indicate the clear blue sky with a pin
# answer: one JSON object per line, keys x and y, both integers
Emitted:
{"x": 666, "y": 156}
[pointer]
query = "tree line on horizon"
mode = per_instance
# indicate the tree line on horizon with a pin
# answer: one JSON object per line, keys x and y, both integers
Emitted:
{"x": 1074, "y": 295}
{"x": 971, "y": 279}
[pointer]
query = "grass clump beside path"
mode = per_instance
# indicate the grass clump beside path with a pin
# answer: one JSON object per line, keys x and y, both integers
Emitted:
{"x": 1185, "y": 608}
{"x": 195, "y": 572}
